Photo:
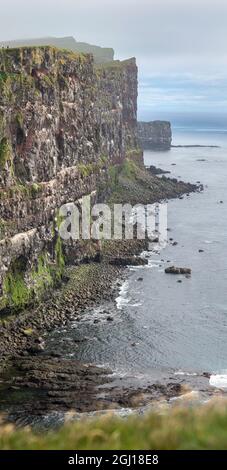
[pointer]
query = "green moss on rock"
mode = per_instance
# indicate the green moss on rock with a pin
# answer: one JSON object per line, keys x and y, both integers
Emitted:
{"x": 15, "y": 292}
{"x": 5, "y": 152}
{"x": 59, "y": 258}
{"x": 22, "y": 287}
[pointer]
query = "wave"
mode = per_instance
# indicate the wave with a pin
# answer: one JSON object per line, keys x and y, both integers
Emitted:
{"x": 219, "y": 381}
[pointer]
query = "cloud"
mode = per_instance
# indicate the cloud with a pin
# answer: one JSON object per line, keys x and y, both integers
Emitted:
{"x": 182, "y": 39}
{"x": 186, "y": 93}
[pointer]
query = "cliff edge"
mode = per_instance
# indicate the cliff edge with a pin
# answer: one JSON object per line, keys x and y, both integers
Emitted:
{"x": 100, "y": 54}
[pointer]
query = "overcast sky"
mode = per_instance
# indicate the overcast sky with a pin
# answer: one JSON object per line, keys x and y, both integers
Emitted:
{"x": 180, "y": 45}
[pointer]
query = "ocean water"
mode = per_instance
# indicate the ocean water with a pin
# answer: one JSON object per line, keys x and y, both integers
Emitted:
{"x": 160, "y": 324}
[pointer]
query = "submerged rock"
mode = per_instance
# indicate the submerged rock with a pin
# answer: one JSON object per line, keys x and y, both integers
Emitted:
{"x": 157, "y": 171}
{"x": 175, "y": 270}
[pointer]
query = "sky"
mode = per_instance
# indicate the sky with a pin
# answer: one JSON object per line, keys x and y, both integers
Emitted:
{"x": 180, "y": 45}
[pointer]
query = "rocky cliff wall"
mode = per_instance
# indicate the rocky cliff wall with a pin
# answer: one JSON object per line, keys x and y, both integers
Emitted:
{"x": 63, "y": 124}
{"x": 155, "y": 135}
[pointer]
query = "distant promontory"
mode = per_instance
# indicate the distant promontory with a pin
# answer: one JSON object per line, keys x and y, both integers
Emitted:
{"x": 155, "y": 135}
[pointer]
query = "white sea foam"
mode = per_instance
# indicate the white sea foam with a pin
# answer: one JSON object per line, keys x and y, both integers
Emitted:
{"x": 147, "y": 266}
{"x": 219, "y": 381}
{"x": 189, "y": 374}
{"x": 138, "y": 304}
{"x": 122, "y": 299}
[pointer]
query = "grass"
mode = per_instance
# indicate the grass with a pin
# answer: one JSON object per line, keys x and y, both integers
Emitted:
{"x": 22, "y": 287}
{"x": 179, "y": 428}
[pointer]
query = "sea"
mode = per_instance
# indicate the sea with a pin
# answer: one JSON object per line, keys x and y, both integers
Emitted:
{"x": 167, "y": 331}
{"x": 161, "y": 325}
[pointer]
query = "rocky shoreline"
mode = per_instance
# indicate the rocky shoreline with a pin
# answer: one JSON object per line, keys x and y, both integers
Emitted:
{"x": 93, "y": 281}
{"x": 27, "y": 370}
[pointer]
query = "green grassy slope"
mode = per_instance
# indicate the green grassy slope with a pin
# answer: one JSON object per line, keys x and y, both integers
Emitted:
{"x": 178, "y": 428}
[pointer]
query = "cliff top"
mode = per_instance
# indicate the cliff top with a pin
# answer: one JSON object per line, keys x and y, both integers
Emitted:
{"x": 12, "y": 60}
{"x": 154, "y": 123}
{"x": 100, "y": 54}
{"x": 16, "y": 59}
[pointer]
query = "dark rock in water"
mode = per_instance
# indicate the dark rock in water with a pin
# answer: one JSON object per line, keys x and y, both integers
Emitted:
{"x": 157, "y": 171}
{"x": 201, "y": 251}
{"x": 174, "y": 243}
{"x": 179, "y": 281}
{"x": 195, "y": 146}
{"x": 221, "y": 202}
{"x": 206, "y": 374}
{"x": 155, "y": 135}
{"x": 175, "y": 270}
{"x": 110, "y": 319}
{"x": 129, "y": 261}
{"x": 140, "y": 279}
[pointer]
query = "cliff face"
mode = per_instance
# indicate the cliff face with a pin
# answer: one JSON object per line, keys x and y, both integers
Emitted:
{"x": 63, "y": 124}
{"x": 155, "y": 135}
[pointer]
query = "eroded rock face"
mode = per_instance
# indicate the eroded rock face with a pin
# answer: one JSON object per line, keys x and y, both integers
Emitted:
{"x": 63, "y": 123}
{"x": 155, "y": 135}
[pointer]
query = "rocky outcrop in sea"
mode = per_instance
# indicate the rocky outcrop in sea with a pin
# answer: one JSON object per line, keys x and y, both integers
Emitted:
{"x": 156, "y": 135}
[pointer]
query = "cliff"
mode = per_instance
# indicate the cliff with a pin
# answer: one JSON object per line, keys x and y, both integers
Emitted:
{"x": 155, "y": 135}
{"x": 64, "y": 123}
{"x": 101, "y": 54}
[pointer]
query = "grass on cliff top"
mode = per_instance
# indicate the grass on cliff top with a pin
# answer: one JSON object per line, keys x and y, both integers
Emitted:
{"x": 44, "y": 48}
{"x": 179, "y": 428}
{"x": 37, "y": 53}
{"x": 115, "y": 65}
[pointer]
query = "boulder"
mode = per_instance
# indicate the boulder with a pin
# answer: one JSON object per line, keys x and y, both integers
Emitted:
{"x": 175, "y": 270}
